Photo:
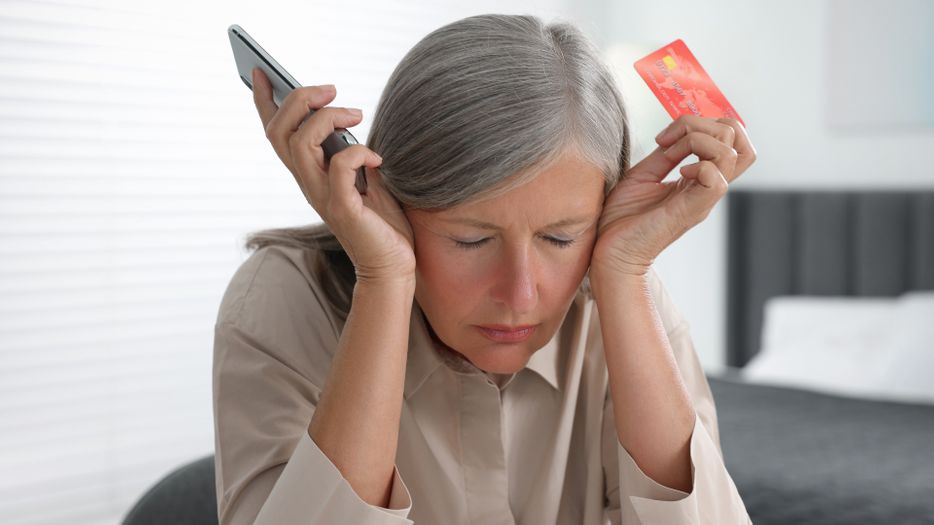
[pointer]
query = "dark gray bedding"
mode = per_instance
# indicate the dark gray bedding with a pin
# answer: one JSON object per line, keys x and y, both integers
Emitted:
{"x": 800, "y": 457}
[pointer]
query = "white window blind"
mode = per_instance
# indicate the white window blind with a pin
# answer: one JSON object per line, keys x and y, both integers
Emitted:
{"x": 132, "y": 163}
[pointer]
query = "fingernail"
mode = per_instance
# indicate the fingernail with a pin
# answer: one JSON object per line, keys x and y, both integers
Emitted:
{"x": 355, "y": 112}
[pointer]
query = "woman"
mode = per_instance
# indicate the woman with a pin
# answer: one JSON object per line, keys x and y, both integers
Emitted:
{"x": 433, "y": 352}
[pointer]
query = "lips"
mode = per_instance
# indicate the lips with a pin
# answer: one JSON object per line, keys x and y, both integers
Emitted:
{"x": 507, "y": 334}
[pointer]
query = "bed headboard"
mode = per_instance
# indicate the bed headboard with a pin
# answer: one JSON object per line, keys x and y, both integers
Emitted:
{"x": 858, "y": 243}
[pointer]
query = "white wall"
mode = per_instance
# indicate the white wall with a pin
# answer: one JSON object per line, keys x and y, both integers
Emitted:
{"x": 769, "y": 59}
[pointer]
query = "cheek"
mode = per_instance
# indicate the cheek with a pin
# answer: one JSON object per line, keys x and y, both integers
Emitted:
{"x": 566, "y": 277}
{"x": 447, "y": 276}
{"x": 566, "y": 272}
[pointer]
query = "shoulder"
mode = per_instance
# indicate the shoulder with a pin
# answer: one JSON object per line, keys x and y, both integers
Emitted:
{"x": 268, "y": 270}
{"x": 277, "y": 276}
{"x": 275, "y": 299}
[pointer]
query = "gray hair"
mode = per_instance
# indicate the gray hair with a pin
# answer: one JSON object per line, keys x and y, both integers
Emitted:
{"x": 476, "y": 108}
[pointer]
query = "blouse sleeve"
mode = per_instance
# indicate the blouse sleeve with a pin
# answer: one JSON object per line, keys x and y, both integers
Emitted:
{"x": 272, "y": 347}
{"x": 632, "y": 496}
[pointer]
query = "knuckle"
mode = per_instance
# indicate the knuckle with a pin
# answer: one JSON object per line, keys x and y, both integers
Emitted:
{"x": 671, "y": 152}
{"x": 271, "y": 133}
{"x": 722, "y": 185}
{"x": 728, "y": 132}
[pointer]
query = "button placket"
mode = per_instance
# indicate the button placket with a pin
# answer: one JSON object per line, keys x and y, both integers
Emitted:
{"x": 484, "y": 457}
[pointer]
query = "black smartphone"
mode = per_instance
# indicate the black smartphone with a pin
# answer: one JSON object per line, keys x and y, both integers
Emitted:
{"x": 248, "y": 55}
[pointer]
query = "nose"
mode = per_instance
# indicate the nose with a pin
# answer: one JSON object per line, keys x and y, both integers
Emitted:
{"x": 516, "y": 286}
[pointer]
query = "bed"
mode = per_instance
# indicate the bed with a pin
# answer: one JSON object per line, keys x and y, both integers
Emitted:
{"x": 803, "y": 456}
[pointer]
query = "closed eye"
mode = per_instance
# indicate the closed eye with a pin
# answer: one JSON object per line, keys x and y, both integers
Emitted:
{"x": 471, "y": 245}
{"x": 561, "y": 243}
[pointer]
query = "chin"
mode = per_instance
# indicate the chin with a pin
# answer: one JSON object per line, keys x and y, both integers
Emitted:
{"x": 500, "y": 359}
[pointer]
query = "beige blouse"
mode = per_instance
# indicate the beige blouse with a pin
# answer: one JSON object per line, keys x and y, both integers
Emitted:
{"x": 535, "y": 447}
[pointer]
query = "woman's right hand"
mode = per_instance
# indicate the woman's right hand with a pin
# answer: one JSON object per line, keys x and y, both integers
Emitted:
{"x": 372, "y": 228}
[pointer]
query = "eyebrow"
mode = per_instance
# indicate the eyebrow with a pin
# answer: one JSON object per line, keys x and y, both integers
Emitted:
{"x": 487, "y": 226}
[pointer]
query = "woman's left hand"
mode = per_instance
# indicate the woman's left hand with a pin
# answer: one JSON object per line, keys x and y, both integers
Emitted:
{"x": 643, "y": 215}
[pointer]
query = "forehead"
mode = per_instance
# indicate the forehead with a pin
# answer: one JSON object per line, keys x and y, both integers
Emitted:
{"x": 567, "y": 189}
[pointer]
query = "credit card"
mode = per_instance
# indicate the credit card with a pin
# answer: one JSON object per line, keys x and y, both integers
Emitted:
{"x": 681, "y": 84}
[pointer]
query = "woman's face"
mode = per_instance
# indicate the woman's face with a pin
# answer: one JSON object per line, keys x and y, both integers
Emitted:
{"x": 525, "y": 270}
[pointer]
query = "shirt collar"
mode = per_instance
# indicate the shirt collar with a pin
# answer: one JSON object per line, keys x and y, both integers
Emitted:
{"x": 424, "y": 359}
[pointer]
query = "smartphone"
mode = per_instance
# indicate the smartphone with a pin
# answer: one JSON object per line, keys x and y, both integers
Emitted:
{"x": 248, "y": 55}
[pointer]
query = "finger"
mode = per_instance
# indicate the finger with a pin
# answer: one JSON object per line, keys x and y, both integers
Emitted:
{"x": 742, "y": 145}
{"x": 262, "y": 97}
{"x": 705, "y": 147}
{"x": 299, "y": 103}
{"x": 698, "y": 199}
{"x": 289, "y": 117}
{"x": 378, "y": 197}
{"x": 305, "y": 144}
{"x": 304, "y": 147}
{"x": 343, "y": 197}
{"x": 313, "y": 131}
{"x": 380, "y": 200}
{"x": 656, "y": 166}
{"x": 688, "y": 123}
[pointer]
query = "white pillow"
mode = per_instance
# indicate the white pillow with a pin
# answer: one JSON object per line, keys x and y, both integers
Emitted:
{"x": 881, "y": 348}
{"x": 909, "y": 363}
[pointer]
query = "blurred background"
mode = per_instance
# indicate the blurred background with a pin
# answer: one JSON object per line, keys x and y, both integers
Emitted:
{"x": 132, "y": 164}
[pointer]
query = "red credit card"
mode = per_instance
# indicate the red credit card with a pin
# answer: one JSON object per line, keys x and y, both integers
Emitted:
{"x": 682, "y": 85}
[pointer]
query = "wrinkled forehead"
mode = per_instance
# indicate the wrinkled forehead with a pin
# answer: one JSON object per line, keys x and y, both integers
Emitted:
{"x": 533, "y": 206}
